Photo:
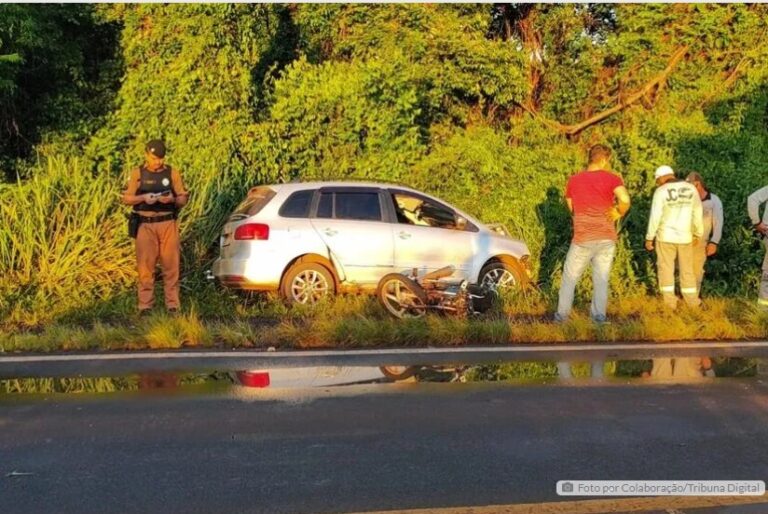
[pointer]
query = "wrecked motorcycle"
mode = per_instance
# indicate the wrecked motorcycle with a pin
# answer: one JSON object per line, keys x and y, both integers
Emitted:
{"x": 412, "y": 296}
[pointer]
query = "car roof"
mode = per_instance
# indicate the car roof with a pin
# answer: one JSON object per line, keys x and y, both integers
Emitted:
{"x": 289, "y": 187}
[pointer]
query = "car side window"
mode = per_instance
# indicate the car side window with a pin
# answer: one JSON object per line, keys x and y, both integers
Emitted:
{"x": 362, "y": 206}
{"x": 412, "y": 210}
{"x": 325, "y": 206}
{"x": 297, "y": 205}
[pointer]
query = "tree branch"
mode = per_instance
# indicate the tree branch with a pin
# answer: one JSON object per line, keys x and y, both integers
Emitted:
{"x": 651, "y": 88}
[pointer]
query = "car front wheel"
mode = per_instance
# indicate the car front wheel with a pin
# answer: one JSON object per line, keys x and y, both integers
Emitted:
{"x": 501, "y": 276}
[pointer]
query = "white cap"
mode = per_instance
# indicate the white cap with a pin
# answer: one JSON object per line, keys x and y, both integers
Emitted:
{"x": 663, "y": 171}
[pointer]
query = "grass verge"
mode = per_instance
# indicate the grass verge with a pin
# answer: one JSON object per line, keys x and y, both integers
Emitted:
{"x": 358, "y": 322}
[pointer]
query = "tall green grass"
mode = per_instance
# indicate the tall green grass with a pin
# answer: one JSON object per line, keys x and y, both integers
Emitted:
{"x": 63, "y": 242}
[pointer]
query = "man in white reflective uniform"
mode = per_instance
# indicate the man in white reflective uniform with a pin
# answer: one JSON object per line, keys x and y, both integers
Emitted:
{"x": 675, "y": 227}
{"x": 754, "y": 202}
{"x": 713, "y": 226}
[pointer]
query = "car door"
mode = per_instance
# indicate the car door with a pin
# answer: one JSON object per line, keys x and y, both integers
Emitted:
{"x": 427, "y": 237}
{"x": 352, "y": 223}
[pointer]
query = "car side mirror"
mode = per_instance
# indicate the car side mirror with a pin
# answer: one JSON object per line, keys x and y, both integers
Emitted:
{"x": 461, "y": 223}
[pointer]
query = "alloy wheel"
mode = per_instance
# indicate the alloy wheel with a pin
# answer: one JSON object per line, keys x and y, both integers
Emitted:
{"x": 309, "y": 287}
{"x": 499, "y": 279}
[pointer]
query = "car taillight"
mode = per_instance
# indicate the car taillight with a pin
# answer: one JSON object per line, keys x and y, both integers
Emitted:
{"x": 251, "y": 231}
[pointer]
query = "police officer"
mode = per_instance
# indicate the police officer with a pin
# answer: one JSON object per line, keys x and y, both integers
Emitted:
{"x": 156, "y": 192}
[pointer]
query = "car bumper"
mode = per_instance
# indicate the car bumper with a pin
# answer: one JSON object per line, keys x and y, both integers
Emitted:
{"x": 251, "y": 274}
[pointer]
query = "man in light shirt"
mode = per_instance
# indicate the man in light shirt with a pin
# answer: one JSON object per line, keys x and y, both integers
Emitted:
{"x": 754, "y": 202}
{"x": 674, "y": 229}
{"x": 713, "y": 226}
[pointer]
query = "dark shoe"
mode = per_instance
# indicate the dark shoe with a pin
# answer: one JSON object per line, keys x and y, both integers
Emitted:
{"x": 145, "y": 313}
{"x": 173, "y": 312}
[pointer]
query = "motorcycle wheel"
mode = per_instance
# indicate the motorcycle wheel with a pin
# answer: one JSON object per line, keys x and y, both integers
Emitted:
{"x": 401, "y": 296}
{"x": 396, "y": 373}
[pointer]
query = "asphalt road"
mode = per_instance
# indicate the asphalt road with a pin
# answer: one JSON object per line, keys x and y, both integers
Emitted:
{"x": 370, "y": 448}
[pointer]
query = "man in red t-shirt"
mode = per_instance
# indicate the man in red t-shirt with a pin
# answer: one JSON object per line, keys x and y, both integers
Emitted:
{"x": 596, "y": 198}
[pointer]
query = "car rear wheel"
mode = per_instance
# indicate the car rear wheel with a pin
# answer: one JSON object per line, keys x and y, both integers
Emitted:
{"x": 307, "y": 283}
{"x": 501, "y": 276}
{"x": 396, "y": 373}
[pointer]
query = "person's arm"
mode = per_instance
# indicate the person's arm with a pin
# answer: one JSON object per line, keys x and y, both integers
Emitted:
{"x": 717, "y": 226}
{"x": 567, "y": 195}
{"x": 129, "y": 195}
{"x": 182, "y": 195}
{"x": 698, "y": 216}
{"x": 622, "y": 203}
{"x": 653, "y": 220}
{"x": 622, "y": 196}
{"x": 717, "y": 221}
{"x": 754, "y": 202}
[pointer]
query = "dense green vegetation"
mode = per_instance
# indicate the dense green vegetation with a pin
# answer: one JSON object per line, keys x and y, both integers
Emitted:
{"x": 489, "y": 107}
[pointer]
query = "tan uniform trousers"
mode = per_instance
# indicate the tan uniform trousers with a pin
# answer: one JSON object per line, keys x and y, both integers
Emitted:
{"x": 762, "y": 299}
{"x": 677, "y": 367}
{"x": 158, "y": 241}
{"x": 693, "y": 368}
{"x": 666, "y": 256}
{"x": 699, "y": 261}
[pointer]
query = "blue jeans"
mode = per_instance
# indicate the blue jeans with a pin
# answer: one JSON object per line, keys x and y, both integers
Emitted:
{"x": 600, "y": 255}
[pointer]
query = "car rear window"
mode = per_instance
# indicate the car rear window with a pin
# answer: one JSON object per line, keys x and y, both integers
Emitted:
{"x": 297, "y": 205}
{"x": 257, "y": 199}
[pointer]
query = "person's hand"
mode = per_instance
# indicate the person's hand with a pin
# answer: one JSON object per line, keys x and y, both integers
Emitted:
{"x": 614, "y": 214}
{"x": 149, "y": 198}
{"x": 762, "y": 228}
{"x": 649, "y": 245}
{"x": 169, "y": 198}
{"x": 711, "y": 249}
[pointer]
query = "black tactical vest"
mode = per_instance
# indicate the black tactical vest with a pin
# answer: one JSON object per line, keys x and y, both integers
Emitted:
{"x": 155, "y": 182}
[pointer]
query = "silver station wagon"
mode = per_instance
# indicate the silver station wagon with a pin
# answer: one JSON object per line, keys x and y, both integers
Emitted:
{"x": 314, "y": 239}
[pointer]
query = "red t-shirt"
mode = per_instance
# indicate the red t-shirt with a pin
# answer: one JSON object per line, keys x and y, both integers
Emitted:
{"x": 591, "y": 194}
